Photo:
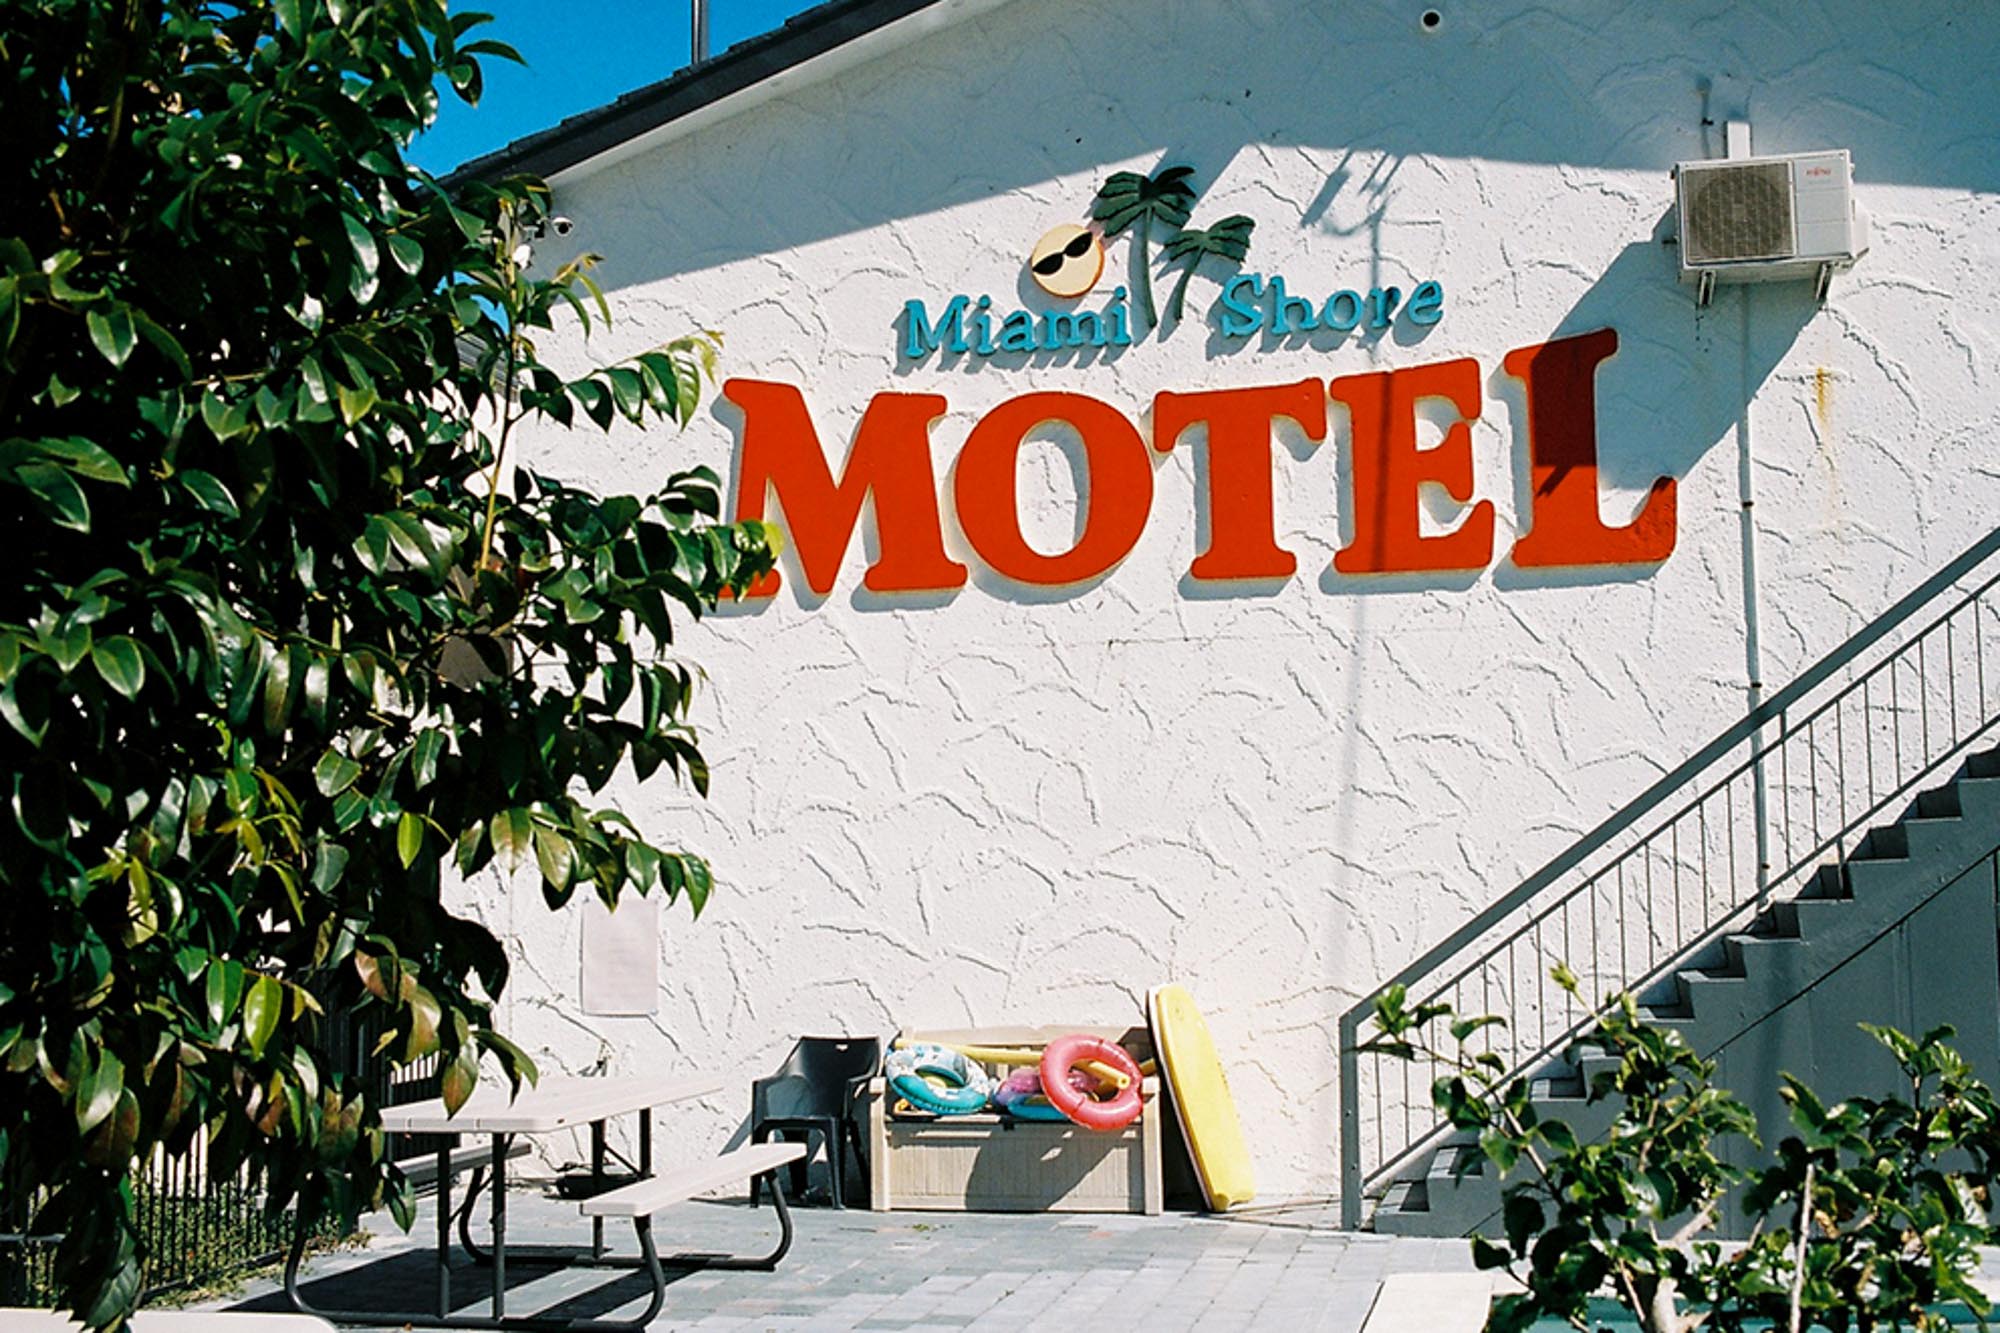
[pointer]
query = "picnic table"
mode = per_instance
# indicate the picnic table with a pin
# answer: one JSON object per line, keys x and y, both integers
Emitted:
{"x": 550, "y": 1106}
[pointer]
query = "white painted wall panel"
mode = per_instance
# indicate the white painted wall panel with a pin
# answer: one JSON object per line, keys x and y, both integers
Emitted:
{"x": 1001, "y": 807}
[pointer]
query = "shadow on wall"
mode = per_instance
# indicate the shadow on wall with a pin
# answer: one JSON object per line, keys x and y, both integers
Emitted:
{"x": 1496, "y": 84}
{"x": 1681, "y": 381}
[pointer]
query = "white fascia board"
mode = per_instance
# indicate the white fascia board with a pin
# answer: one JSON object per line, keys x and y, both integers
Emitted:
{"x": 883, "y": 40}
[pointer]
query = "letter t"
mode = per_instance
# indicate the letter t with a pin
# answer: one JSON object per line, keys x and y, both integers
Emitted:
{"x": 1242, "y": 543}
{"x": 1388, "y": 469}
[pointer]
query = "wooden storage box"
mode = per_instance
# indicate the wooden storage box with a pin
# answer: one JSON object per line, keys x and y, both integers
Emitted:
{"x": 994, "y": 1163}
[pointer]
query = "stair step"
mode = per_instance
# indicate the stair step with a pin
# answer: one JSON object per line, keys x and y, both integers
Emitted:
{"x": 1872, "y": 878}
{"x": 1802, "y": 916}
{"x": 1978, "y": 798}
{"x": 1985, "y": 764}
{"x": 1404, "y": 1196}
{"x": 1927, "y": 832}
{"x": 1828, "y": 881}
{"x": 1444, "y": 1165}
{"x": 1886, "y": 842}
{"x": 1702, "y": 991}
{"x": 1741, "y": 950}
{"x": 1938, "y": 803}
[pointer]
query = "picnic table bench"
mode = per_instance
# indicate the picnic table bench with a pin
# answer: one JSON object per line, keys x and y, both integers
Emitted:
{"x": 551, "y": 1106}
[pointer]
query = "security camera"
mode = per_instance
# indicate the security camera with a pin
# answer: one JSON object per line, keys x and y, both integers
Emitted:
{"x": 561, "y": 225}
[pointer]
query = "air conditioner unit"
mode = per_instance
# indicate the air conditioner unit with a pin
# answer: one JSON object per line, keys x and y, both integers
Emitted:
{"x": 1768, "y": 219}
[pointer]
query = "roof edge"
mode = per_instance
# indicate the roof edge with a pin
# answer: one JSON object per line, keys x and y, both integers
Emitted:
{"x": 743, "y": 68}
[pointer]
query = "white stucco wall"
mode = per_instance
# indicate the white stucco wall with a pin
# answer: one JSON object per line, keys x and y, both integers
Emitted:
{"x": 995, "y": 807}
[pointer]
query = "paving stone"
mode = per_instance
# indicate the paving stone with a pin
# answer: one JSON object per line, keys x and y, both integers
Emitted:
{"x": 1286, "y": 1268}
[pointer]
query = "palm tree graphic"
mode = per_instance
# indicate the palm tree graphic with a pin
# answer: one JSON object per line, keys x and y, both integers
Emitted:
{"x": 1128, "y": 198}
{"x": 1228, "y": 239}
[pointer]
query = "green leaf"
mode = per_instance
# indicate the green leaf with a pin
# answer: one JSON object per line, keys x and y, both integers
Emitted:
{"x": 486, "y": 46}
{"x": 555, "y": 856}
{"x": 209, "y": 492}
{"x": 424, "y": 752}
{"x": 402, "y": 1204}
{"x": 225, "y": 420}
{"x": 355, "y": 403}
{"x": 461, "y": 1076}
{"x": 83, "y": 457}
{"x": 112, "y": 334}
{"x": 335, "y": 773}
{"x": 223, "y": 989}
{"x": 1523, "y": 1219}
{"x": 67, "y": 644}
{"x": 56, "y": 494}
{"x": 117, "y": 659}
{"x": 414, "y": 542}
{"x": 281, "y": 689}
{"x": 512, "y": 832}
{"x": 406, "y": 253}
{"x": 262, "y": 1005}
{"x": 367, "y": 258}
{"x": 425, "y": 1016}
{"x": 329, "y": 866}
{"x": 96, "y": 1095}
{"x": 700, "y": 882}
{"x": 409, "y": 837}
{"x": 163, "y": 342}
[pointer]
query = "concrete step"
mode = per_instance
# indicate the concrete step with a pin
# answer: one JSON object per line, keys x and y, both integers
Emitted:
{"x": 1885, "y": 842}
{"x": 1978, "y": 800}
{"x": 1984, "y": 764}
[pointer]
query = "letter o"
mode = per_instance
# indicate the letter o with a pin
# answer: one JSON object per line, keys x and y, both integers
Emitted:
{"x": 1119, "y": 470}
{"x": 1354, "y": 304}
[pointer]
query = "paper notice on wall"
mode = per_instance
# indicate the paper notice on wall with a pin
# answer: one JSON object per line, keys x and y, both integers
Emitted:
{"x": 621, "y": 956}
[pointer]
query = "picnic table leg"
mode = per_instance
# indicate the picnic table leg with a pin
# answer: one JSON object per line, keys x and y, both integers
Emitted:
{"x": 444, "y": 1227}
{"x": 597, "y": 1186}
{"x": 499, "y": 1226}
{"x": 758, "y": 1262}
{"x": 467, "y": 1209}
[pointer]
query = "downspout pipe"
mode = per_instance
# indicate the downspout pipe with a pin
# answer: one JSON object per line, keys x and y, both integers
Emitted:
{"x": 1736, "y": 143}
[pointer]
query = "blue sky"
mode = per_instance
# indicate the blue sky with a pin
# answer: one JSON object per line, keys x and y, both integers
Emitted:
{"x": 581, "y": 54}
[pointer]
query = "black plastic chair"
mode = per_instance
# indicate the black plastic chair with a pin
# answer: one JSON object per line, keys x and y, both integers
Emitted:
{"x": 814, "y": 1094}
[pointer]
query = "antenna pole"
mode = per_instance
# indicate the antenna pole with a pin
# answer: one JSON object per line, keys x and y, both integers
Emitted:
{"x": 698, "y": 37}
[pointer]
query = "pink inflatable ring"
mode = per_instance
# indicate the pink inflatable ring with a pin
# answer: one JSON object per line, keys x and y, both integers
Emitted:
{"x": 1060, "y": 1059}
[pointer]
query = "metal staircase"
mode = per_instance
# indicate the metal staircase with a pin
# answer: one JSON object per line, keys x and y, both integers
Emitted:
{"x": 1834, "y": 856}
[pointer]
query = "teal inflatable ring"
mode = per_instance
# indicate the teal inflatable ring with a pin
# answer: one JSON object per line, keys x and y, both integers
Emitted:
{"x": 937, "y": 1079}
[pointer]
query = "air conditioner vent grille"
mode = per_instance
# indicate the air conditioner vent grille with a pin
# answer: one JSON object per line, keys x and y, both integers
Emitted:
{"x": 1737, "y": 213}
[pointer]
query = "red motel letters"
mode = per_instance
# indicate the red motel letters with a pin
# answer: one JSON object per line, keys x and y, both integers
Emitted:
{"x": 890, "y": 465}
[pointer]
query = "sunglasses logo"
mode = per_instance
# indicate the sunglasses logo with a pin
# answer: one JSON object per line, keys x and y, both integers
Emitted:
{"x": 1067, "y": 261}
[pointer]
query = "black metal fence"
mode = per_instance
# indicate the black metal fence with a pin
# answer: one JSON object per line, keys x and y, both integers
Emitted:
{"x": 196, "y": 1229}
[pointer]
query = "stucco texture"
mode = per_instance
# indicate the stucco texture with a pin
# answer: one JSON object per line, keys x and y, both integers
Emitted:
{"x": 1028, "y": 805}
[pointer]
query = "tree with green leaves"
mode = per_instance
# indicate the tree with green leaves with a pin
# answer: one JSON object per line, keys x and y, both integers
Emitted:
{"x": 289, "y": 641}
{"x": 1227, "y": 240}
{"x": 1129, "y": 200}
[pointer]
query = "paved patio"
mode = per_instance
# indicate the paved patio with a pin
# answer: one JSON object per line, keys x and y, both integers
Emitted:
{"x": 1283, "y": 1267}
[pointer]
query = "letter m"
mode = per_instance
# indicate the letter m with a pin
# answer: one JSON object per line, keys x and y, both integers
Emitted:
{"x": 890, "y": 464}
{"x": 920, "y": 336}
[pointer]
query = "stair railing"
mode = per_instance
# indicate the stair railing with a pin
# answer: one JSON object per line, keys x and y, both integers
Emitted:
{"x": 1799, "y": 779}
